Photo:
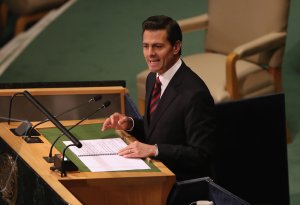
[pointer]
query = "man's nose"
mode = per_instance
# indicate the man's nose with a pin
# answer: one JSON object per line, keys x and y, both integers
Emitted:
{"x": 151, "y": 51}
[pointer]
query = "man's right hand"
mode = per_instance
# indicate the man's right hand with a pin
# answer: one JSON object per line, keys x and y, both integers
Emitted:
{"x": 117, "y": 121}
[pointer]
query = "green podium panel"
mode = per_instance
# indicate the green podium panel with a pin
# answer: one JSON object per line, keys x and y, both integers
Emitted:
{"x": 84, "y": 132}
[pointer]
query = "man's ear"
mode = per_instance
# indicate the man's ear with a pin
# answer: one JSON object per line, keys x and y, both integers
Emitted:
{"x": 176, "y": 47}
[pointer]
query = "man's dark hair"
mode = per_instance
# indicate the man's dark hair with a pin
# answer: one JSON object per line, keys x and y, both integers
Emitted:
{"x": 162, "y": 22}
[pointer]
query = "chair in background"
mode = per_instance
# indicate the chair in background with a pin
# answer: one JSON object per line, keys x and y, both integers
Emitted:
{"x": 29, "y": 11}
{"x": 244, "y": 48}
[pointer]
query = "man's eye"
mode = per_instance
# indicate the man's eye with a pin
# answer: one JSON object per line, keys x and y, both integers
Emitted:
{"x": 145, "y": 46}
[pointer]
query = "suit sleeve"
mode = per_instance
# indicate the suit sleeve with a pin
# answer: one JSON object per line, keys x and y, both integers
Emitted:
{"x": 199, "y": 124}
{"x": 138, "y": 129}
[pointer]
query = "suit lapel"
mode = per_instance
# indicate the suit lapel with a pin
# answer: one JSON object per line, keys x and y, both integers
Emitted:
{"x": 149, "y": 90}
{"x": 168, "y": 97}
{"x": 161, "y": 108}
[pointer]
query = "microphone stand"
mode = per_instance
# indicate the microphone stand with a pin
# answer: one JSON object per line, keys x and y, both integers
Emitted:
{"x": 23, "y": 128}
{"x": 52, "y": 118}
{"x": 31, "y": 129}
{"x": 26, "y": 128}
{"x": 62, "y": 166}
{"x": 50, "y": 158}
{"x": 10, "y": 106}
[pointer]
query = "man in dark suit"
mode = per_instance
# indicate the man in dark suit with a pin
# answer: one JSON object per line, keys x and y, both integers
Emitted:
{"x": 178, "y": 126}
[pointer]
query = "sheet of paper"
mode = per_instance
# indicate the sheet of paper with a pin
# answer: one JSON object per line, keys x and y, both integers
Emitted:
{"x": 101, "y": 155}
{"x": 112, "y": 163}
{"x": 98, "y": 147}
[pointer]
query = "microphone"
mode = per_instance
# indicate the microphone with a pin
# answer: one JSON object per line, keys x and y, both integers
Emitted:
{"x": 93, "y": 99}
{"x": 10, "y": 106}
{"x": 59, "y": 162}
{"x": 50, "y": 159}
{"x": 32, "y": 128}
{"x": 17, "y": 130}
{"x": 39, "y": 106}
{"x": 24, "y": 126}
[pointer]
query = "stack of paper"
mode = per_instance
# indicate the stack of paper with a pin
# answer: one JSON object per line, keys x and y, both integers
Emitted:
{"x": 100, "y": 155}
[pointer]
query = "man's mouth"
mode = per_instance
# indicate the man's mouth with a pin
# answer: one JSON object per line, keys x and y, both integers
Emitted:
{"x": 153, "y": 61}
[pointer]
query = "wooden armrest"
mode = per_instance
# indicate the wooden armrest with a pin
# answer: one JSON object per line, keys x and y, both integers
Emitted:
{"x": 267, "y": 42}
{"x": 231, "y": 77}
{"x": 264, "y": 43}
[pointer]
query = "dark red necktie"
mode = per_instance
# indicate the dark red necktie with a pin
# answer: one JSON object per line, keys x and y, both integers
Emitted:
{"x": 155, "y": 96}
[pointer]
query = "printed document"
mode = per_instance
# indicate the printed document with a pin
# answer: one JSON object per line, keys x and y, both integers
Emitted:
{"x": 100, "y": 155}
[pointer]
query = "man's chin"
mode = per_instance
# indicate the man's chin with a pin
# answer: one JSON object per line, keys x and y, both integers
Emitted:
{"x": 153, "y": 69}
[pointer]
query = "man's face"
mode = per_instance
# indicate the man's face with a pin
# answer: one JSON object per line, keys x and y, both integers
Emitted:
{"x": 160, "y": 55}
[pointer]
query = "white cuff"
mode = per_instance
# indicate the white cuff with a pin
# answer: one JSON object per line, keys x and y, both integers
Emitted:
{"x": 129, "y": 130}
{"x": 156, "y": 151}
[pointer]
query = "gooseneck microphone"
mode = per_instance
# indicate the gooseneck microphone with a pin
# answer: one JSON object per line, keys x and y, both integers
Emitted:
{"x": 10, "y": 105}
{"x": 52, "y": 119}
{"x": 94, "y": 99}
{"x": 50, "y": 157}
{"x": 60, "y": 164}
{"x": 24, "y": 126}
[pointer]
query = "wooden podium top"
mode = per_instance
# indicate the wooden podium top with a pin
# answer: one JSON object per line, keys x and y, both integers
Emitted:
{"x": 92, "y": 187}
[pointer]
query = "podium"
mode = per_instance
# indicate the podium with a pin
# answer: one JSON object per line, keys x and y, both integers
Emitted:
{"x": 118, "y": 187}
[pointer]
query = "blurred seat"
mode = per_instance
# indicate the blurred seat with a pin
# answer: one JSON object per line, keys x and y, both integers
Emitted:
{"x": 30, "y": 11}
{"x": 244, "y": 48}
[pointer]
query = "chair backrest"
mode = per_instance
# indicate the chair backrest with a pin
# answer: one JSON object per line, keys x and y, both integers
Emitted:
{"x": 234, "y": 22}
{"x": 251, "y": 149}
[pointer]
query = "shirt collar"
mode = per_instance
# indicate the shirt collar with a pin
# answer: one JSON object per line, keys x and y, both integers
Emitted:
{"x": 166, "y": 77}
